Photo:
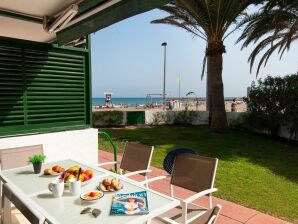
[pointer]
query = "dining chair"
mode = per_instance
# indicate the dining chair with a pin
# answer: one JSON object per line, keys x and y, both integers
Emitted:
{"x": 195, "y": 173}
{"x": 18, "y": 157}
{"x": 169, "y": 160}
{"x": 136, "y": 159}
{"x": 15, "y": 197}
{"x": 208, "y": 216}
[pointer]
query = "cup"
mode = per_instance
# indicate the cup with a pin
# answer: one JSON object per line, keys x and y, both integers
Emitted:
{"x": 75, "y": 187}
{"x": 57, "y": 188}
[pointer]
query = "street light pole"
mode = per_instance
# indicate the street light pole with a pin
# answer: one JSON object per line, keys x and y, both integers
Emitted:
{"x": 179, "y": 83}
{"x": 164, "y": 73}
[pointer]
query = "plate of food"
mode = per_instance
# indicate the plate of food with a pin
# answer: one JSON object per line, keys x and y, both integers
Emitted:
{"x": 110, "y": 185}
{"x": 54, "y": 171}
{"x": 92, "y": 195}
{"x": 76, "y": 172}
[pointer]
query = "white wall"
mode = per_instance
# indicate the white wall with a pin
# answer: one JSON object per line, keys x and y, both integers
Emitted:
{"x": 80, "y": 145}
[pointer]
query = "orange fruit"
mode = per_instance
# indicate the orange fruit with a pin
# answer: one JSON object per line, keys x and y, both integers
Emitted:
{"x": 89, "y": 172}
{"x": 82, "y": 177}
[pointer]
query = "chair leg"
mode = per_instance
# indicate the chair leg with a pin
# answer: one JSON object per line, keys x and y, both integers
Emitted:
{"x": 184, "y": 213}
{"x": 6, "y": 214}
{"x": 146, "y": 178}
{"x": 210, "y": 201}
{"x": 1, "y": 207}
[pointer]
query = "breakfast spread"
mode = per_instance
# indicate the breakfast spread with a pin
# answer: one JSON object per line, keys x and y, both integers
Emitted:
{"x": 55, "y": 170}
{"x": 110, "y": 184}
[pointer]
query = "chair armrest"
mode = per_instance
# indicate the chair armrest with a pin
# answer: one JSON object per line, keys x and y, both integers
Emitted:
{"x": 107, "y": 163}
{"x": 152, "y": 180}
{"x": 136, "y": 172}
{"x": 198, "y": 195}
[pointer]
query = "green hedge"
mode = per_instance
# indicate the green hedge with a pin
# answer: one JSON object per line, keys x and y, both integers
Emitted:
{"x": 107, "y": 118}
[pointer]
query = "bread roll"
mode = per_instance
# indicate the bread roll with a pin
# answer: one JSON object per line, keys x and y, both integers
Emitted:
{"x": 115, "y": 182}
{"x": 110, "y": 188}
{"x": 56, "y": 168}
{"x": 119, "y": 186}
{"x": 46, "y": 172}
{"x": 107, "y": 181}
{"x": 102, "y": 187}
{"x": 49, "y": 172}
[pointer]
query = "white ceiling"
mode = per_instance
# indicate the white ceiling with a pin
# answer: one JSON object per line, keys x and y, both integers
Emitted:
{"x": 15, "y": 28}
{"x": 24, "y": 30}
{"x": 37, "y": 8}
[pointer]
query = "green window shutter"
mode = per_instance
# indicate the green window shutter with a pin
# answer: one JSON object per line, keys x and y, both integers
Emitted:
{"x": 55, "y": 87}
{"x": 11, "y": 87}
{"x": 42, "y": 87}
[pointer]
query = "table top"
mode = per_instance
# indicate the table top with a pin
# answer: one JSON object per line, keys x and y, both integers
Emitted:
{"x": 67, "y": 209}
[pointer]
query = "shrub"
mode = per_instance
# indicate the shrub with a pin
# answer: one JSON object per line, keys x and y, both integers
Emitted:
{"x": 107, "y": 118}
{"x": 273, "y": 102}
{"x": 162, "y": 117}
{"x": 184, "y": 117}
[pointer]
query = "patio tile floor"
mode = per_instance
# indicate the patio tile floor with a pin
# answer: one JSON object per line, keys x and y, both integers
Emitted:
{"x": 231, "y": 213}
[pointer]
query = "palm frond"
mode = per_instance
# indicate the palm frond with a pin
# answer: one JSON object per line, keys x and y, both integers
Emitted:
{"x": 274, "y": 28}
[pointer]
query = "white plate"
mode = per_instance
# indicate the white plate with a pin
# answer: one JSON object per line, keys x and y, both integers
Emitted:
{"x": 52, "y": 175}
{"x": 57, "y": 174}
{"x": 94, "y": 199}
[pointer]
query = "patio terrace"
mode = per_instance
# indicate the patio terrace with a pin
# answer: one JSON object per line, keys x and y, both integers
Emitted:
{"x": 231, "y": 213}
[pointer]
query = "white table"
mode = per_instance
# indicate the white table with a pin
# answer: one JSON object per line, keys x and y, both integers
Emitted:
{"x": 66, "y": 210}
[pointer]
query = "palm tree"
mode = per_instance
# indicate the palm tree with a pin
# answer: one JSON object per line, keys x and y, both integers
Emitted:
{"x": 212, "y": 21}
{"x": 274, "y": 27}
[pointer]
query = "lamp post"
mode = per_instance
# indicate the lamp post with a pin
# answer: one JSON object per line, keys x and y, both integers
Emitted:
{"x": 164, "y": 44}
{"x": 179, "y": 84}
{"x": 197, "y": 103}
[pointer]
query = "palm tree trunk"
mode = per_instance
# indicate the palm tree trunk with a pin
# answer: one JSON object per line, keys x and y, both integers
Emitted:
{"x": 215, "y": 86}
{"x": 208, "y": 96}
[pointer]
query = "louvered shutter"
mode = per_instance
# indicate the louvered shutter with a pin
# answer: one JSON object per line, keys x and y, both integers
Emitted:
{"x": 42, "y": 87}
{"x": 11, "y": 87}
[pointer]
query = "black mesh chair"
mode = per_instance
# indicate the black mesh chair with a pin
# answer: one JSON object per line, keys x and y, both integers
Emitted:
{"x": 171, "y": 156}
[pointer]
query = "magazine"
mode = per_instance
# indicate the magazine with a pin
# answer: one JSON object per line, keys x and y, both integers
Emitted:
{"x": 130, "y": 204}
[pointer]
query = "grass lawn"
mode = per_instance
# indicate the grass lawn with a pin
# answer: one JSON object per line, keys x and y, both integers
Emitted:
{"x": 253, "y": 170}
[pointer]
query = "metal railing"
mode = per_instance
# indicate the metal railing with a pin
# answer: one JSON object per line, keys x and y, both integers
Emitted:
{"x": 108, "y": 137}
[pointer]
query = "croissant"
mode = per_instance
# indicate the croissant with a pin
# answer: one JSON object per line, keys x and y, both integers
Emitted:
{"x": 58, "y": 169}
{"x": 49, "y": 172}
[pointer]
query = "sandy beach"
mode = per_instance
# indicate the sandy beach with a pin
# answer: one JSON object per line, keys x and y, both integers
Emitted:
{"x": 241, "y": 107}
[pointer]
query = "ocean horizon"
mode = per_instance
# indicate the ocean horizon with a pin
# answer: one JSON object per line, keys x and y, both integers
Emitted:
{"x": 137, "y": 100}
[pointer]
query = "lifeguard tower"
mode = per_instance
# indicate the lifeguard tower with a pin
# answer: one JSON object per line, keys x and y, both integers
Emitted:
{"x": 108, "y": 99}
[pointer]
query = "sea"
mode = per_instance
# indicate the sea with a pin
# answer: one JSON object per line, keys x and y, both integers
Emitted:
{"x": 132, "y": 101}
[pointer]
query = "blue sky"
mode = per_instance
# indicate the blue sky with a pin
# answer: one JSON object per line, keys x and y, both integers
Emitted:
{"x": 127, "y": 59}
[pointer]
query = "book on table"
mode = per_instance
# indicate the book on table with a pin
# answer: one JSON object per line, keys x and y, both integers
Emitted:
{"x": 130, "y": 204}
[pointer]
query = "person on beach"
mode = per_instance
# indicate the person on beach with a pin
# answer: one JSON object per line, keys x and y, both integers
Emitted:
{"x": 186, "y": 107}
{"x": 171, "y": 105}
{"x": 233, "y": 106}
